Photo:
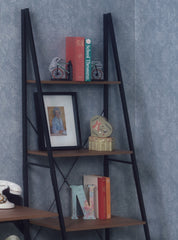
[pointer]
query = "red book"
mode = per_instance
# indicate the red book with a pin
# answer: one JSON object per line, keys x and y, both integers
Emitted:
{"x": 102, "y": 197}
{"x": 75, "y": 52}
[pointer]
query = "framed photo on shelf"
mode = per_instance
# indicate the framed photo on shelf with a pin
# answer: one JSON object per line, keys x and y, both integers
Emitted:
{"x": 62, "y": 119}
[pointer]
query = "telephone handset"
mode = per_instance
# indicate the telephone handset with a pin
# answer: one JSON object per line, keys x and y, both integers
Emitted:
{"x": 14, "y": 189}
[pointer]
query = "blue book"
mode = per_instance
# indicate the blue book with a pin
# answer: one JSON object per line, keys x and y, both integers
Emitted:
{"x": 87, "y": 60}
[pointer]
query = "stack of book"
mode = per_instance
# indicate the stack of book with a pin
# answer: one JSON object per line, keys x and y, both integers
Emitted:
{"x": 102, "y": 194}
{"x": 78, "y": 51}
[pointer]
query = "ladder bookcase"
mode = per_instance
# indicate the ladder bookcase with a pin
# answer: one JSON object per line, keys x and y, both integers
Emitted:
{"x": 60, "y": 223}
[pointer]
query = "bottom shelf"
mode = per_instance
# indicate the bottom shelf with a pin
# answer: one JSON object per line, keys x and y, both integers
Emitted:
{"x": 82, "y": 225}
{"x": 23, "y": 213}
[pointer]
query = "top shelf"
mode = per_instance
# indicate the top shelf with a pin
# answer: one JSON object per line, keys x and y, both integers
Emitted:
{"x": 76, "y": 82}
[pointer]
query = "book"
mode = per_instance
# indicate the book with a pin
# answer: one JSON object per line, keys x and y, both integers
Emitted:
{"x": 88, "y": 180}
{"x": 102, "y": 197}
{"x": 87, "y": 60}
{"x": 108, "y": 198}
{"x": 75, "y": 52}
{"x": 102, "y": 194}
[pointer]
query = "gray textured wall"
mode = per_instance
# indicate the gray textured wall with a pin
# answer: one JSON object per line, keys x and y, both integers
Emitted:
{"x": 156, "y": 114}
{"x": 147, "y": 44}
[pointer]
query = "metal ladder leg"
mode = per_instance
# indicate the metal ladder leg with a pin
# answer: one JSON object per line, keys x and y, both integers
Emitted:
{"x": 45, "y": 127}
{"x": 128, "y": 128}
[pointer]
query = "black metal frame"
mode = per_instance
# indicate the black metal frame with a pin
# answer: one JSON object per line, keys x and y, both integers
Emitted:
{"x": 27, "y": 38}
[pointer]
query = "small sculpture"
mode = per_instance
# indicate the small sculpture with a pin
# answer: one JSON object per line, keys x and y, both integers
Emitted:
{"x": 101, "y": 131}
{"x": 100, "y": 127}
{"x": 86, "y": 206}
{"x": 59, "y": 69}
{"x": 96, "y": 70}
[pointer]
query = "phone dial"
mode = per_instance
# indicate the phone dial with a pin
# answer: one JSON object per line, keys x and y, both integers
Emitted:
{"x": 13, "y": 188}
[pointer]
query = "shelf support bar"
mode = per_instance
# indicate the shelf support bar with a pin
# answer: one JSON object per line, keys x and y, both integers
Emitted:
{"x": 120, "y": 161}
{"x": 24, "y": 119}
{"x": 45, "y": 126}
{"x": 105, "y": 90}
{"x": 128, "y": 128}
{"x": 38, "y": 165}
{"x": 32, "y": 125}
{"x": 106, "y": 96}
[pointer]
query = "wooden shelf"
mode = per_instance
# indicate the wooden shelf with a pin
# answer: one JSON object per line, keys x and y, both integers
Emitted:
{"x": 23, "y": 213}
{"x": 82, "y": 225}
{"x": 75, "y": 82}
{"x": 78, "y": 153}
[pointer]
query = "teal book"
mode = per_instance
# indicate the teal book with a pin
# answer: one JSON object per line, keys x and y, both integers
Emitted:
{"x": 87, "y": 60}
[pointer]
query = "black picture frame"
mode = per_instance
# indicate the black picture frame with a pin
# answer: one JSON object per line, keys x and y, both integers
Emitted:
{"x": 61, "y": 111}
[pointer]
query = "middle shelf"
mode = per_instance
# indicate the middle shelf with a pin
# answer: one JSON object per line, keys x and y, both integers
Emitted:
{"x": 78, "y": 153}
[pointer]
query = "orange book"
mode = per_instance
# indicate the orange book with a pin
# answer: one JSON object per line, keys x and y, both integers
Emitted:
{"x": 75, "y": 52}
{"x": 108, "y": 198}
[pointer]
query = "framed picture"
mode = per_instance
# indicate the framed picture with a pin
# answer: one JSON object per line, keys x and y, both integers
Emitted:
{"x": 62, "y": 119}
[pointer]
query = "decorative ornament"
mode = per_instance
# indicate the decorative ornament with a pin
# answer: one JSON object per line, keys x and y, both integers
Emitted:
{"x": 100, "y": 127}
{"x": 97, "y": 70}
{"x": 59, "y": 69}
{"x": 87, "y": 207}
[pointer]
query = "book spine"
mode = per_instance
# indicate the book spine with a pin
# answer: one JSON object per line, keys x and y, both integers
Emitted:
{"x": 102, "y": 197}
{"x": 108, "y": 198}
{"x": 87, "y": 60}
{"x": 75, "y": 52}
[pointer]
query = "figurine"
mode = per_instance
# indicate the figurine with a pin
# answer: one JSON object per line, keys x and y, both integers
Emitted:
{"x": 59, "y": 69}
{"x": 100, "y": 127}
{"x": 96, "y": 70}
{"x": 101, "y": 131}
